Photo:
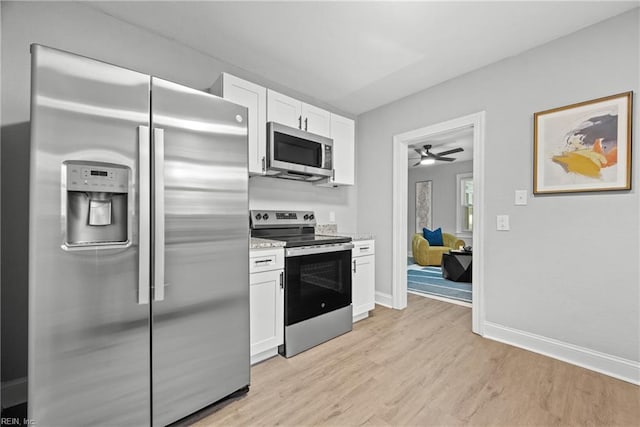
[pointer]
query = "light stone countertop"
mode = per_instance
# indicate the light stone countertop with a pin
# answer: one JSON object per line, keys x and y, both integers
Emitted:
{"x": 332, "y": 230}
{"x": 259, "y": 243}
{"x": 358, "y": 236}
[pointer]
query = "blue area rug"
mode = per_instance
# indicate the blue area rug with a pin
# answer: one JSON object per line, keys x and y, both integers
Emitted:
{"x": 428, "y": 280}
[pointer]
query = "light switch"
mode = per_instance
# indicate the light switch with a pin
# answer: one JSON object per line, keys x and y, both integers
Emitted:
{"x": 521, "y": 197}
{"x": 502, "y": 222}
{"x": 332, "y": 216}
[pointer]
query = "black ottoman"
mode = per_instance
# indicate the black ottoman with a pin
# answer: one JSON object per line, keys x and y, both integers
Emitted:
{"x": 456, "y": 266}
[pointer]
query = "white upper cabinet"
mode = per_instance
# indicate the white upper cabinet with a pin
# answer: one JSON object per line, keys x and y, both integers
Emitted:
{"x": 290, "y": 112}
{"x": 343, "y": 133}
{"x": 283, "y": 109}
{"x": 254, "y": 97}
{"x": 316, "y": 120}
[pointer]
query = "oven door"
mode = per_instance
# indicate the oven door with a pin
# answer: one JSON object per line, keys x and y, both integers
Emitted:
{"x": 294, "y": 150}
{"x": 316, "y": 282}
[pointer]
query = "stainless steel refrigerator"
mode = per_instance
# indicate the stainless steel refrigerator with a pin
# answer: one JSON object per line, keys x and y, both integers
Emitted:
{"x": 138, "y": 246}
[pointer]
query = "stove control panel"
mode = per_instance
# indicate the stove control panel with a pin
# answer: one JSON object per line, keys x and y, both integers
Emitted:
{"x": 265, "y": 218}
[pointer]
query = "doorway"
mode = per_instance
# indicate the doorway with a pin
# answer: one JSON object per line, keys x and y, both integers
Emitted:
{"x": 440, "y": 197}
{"x": 401, "y": 144}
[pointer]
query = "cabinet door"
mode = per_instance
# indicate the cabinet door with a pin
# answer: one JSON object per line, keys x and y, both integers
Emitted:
{"x": 283, "y": 109}
{"x": 253, "y": 97}
{"x": 267, "y": 311}
{"x": 316, "y": 120}
{"x": 343, "y": 132}
{"x": 363, "y": 282}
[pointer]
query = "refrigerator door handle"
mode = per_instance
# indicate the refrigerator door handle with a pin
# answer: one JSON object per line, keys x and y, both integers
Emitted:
{"x": 158, "y": 205}
{"x": 144, "y": 215}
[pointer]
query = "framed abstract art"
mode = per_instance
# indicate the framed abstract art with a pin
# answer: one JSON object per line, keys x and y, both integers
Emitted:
{"x": 583, "y": 147}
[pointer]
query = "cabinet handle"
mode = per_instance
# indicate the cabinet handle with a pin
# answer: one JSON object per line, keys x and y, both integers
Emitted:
{"x": 264, "y": 164}
{"x": 299, "y": 122}
{"x": 306, "y": 119}
{"x": 262, "y": 260}
{"x": 282, "y": 280}
{"x": 333, "y": 174}
{"x": 354, "y": 265}
{"x": 364, "y": 248}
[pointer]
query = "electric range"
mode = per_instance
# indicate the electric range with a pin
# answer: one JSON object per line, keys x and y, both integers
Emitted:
{"x": 317, "y": 278}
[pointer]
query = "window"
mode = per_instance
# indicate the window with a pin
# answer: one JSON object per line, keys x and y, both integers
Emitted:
{"x": 464, "y": 209}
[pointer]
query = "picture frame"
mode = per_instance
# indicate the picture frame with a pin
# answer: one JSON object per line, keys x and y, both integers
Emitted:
{"x": 424, "y": 208}
{"x": 583, "y": 147}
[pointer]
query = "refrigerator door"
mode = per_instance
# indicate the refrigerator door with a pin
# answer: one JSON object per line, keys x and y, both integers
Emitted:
{"x": 89, "y": 339}
{"x": 200, "y": 311}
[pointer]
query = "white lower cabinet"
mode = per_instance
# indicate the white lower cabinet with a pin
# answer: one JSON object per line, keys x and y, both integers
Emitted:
{"x": 266, "y": 295}
{"x": 363, "y": 278}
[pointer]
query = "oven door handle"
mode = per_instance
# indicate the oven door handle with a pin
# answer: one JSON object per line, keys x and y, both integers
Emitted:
{"x": 322, "y": 249}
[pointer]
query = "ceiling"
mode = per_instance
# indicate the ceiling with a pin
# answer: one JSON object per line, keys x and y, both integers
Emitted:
{"x": 462, "y": 138}
{"x": 356, "y": 56}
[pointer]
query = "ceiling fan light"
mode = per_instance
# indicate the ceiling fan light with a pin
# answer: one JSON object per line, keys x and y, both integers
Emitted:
{"x": 427, "y": 161}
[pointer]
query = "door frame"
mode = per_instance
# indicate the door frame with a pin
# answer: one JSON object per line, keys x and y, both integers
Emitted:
{"x": 401, "y": 143}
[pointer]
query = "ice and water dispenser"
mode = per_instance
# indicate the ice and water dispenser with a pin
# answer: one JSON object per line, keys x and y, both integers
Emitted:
{"x": 96, "y": 200}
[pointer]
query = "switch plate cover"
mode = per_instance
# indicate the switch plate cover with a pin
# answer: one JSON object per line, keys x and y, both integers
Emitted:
{"x": 521, "y": 197}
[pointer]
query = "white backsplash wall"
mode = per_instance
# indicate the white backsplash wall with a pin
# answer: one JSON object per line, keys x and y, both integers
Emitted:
{"x": 277, "y": 193}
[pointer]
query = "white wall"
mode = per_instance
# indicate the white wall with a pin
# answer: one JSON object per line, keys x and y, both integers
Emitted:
{"x": 568, "y": 269}
{"x": 444, "y": 196}
{"x": 83, "y": 30}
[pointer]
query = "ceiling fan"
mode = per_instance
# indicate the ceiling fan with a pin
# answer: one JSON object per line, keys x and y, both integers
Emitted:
{"x": 428, "y": 158}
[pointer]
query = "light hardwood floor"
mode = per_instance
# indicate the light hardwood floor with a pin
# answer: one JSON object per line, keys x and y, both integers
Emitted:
{"x": 423, "y": 367}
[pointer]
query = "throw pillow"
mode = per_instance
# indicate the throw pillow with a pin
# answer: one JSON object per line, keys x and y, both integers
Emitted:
{"x": 433, "y": 237}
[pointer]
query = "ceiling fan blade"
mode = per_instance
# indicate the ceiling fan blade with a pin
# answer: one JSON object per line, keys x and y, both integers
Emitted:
{"x": 419, "y": 151}
{"x": 417, "y": 163}
{"x": 455, "y": 150}
{"x": 445, "y": 159}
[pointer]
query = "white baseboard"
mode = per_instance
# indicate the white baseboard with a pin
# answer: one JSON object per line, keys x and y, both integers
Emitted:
{"x": 613, "y": 366}
{"x": 384, "y": 299}
{"x": 267, "y": 354}
{"x": 360, "y": 316}
{"x": 14, "y": 392}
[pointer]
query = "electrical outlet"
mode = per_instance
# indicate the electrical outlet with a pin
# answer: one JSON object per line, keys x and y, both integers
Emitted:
{"x": 502, "y": 223}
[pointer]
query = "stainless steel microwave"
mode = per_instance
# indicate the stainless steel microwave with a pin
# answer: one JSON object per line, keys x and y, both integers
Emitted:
{"x": 296, "y": 154}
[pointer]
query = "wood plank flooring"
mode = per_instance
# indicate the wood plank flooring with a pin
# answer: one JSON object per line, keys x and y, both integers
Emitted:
{"x": 423, "y": 367}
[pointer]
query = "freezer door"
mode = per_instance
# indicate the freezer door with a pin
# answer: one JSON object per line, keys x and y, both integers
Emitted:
{"x": 89, "y": 336}
{"x": 200, "y": 303}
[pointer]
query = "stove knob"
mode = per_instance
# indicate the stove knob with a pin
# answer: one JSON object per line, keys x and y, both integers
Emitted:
{"x": 306, "y": 217}
{"x": 258, "y": 217}
{"x": 311, "y": 217}
{"x": 265, "y": 217}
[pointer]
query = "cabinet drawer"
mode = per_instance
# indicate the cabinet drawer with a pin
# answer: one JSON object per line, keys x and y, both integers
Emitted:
{"x": 266, "y": 259}
{"x": 363, "y": 247}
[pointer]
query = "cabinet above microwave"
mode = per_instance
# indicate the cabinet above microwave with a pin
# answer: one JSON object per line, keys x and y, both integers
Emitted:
{"x": 297, "y": 114}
